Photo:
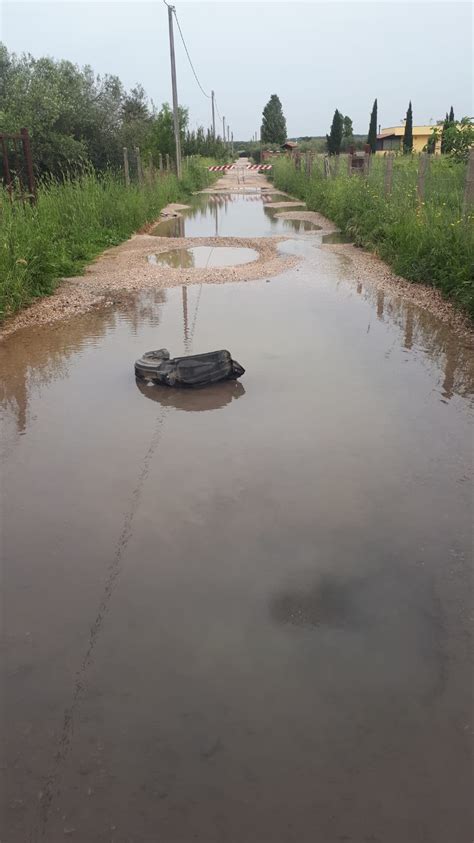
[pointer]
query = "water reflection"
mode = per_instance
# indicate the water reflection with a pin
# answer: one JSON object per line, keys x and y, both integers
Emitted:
{"x": 232, "y": 215}
{"x": 33, "y": 358}
{"x": 423, "y": 330}
{"x": 203, "y": 257}
{"x": 193, "y": 400}
{"x": 329, "y": 602}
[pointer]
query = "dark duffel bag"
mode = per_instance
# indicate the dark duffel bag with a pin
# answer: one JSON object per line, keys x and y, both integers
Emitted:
{"x": 195, "y": 370}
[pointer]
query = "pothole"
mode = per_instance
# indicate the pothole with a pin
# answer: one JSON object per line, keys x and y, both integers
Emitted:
{"x": 301, "y": 225}
{"x": 336, "y": 237}
{"x": 203, "y": 257}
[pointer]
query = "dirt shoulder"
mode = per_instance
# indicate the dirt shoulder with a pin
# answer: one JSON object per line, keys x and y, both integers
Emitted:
{"x": 366, "y": 266}
{"x": 126, "y": 269}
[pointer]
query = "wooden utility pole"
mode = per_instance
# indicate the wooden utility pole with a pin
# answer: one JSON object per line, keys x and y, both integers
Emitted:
{"x": 223, "y": 129}
{"x": 174, "y": 86}
{"x": 228, "y": 134}
{"x": 213, "y": 117}
{"x": 125, "y": 167}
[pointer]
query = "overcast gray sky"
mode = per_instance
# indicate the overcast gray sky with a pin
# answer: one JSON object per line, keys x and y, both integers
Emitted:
{"x": 315, "y": 56}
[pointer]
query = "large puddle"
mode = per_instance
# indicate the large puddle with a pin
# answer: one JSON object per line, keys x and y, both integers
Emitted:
{"x": 240, "y": 612}
{"x": 233, "y": 215}
{"x": 199, "y": 257}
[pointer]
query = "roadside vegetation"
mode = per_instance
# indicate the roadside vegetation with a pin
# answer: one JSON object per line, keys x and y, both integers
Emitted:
{"x": 428, "y": 242}
{"x": 73, "y": 221}
{"x": 76, "y": 118}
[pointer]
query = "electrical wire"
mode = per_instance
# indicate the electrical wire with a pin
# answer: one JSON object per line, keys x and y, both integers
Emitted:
{"x": 189, "y": 57}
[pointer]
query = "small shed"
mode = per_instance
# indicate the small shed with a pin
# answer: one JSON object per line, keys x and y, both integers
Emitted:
{"x": 289, "y": 146}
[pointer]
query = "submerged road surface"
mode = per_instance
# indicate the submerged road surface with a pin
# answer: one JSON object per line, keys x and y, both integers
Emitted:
{"x": 239, "y": 615}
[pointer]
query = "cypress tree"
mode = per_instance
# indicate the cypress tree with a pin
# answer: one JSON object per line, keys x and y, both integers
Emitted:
{"x": 372, "y": 136}
{"x": 273, "y": 123}
{"x": 451, "y": 115}
{"x": 334, "y": 139}
{"x": 408, "y": 133}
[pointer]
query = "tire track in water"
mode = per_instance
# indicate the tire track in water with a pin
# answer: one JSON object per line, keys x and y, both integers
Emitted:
{"x": 51, "y": 789}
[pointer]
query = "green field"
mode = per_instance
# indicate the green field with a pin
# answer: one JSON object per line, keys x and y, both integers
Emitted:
{"x": 72, "y": 222}
{"x": 428, "y": 242}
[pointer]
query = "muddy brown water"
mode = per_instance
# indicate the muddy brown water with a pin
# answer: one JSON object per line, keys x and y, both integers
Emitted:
{"x": 232, "y": 215}
{"x": 241, "y": 613}
{"x": 204, "y": 256}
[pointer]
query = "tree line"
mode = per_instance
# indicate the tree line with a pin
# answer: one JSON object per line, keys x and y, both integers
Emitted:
{"x": 78, "y": 119}
{"x": 456, "y": 137}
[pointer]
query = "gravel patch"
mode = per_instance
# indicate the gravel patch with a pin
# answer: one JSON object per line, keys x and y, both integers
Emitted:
{"x": 125, "y": 269}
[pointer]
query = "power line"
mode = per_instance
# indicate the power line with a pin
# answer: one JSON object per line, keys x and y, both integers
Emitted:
{"x": 189, "y": 57}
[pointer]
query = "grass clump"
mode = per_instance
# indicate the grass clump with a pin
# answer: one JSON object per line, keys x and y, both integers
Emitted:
{"x": 429, "y": 241}
{"x": 72, "y": 222}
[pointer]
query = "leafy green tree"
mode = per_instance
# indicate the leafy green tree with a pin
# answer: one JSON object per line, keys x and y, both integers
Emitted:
{"x": 408, "y": 133}
{"x": 334, "y": 139}
{"x": 372, "y": 134}
{"x": 162, "y": 131}
{"x": 273, "y": 122}
{"x": 347, "y": 128}
{"x": 458, "y": 139}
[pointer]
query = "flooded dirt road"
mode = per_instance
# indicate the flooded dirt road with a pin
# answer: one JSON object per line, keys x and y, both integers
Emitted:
{"x": 241, "y": 614}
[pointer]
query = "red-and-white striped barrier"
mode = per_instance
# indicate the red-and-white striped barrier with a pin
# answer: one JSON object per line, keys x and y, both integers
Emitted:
{"x": 227, "y": 167}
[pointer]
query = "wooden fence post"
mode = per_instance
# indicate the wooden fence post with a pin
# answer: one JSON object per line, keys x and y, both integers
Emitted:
{"x": 388, "y": 173}
{"x": 167, "y": 161}
{"x": 125, "y": 167}
{"x": 349, "y": 164}
{"x": 25, "y": 138}
{"x": 469, "y": 188}
{"x": 336, "y": 165}
{"x": 327, "y": 168}
{"x": 160, "y": 163}
{"x": 139, "y": 165}
{"x": 366, "y": 164}
{"x": 422, "y": 167}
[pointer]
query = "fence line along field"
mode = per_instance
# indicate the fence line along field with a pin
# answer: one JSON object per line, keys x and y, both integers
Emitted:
{"x": 415, "y": 212}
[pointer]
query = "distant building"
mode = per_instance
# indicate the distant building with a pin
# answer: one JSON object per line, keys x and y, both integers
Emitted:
{"x": 289, "y": 146}
{"x": 391, "y": 139}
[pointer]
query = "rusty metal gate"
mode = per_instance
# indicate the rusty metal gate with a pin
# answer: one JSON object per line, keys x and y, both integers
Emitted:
{"x": 16, "y": 166}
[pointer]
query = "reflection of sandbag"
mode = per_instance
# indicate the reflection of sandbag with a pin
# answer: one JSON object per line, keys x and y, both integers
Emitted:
{"x": 196, "y": 370}
{"x": 206, "y": 398}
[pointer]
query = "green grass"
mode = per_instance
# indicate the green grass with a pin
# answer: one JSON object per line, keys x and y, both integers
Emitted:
{"x": 72, "y": 222}
{"x": 429, "y": 242}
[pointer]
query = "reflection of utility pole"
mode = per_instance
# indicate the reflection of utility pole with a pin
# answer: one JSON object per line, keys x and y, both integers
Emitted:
{"x": 175, "y": 93}
{"x": 409, "y": 325}
{"x": 184, "y": 290}
{"x": 213, "y": 117}
{"x": 216, "y": 214}
{"x": 380, "y": 303}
